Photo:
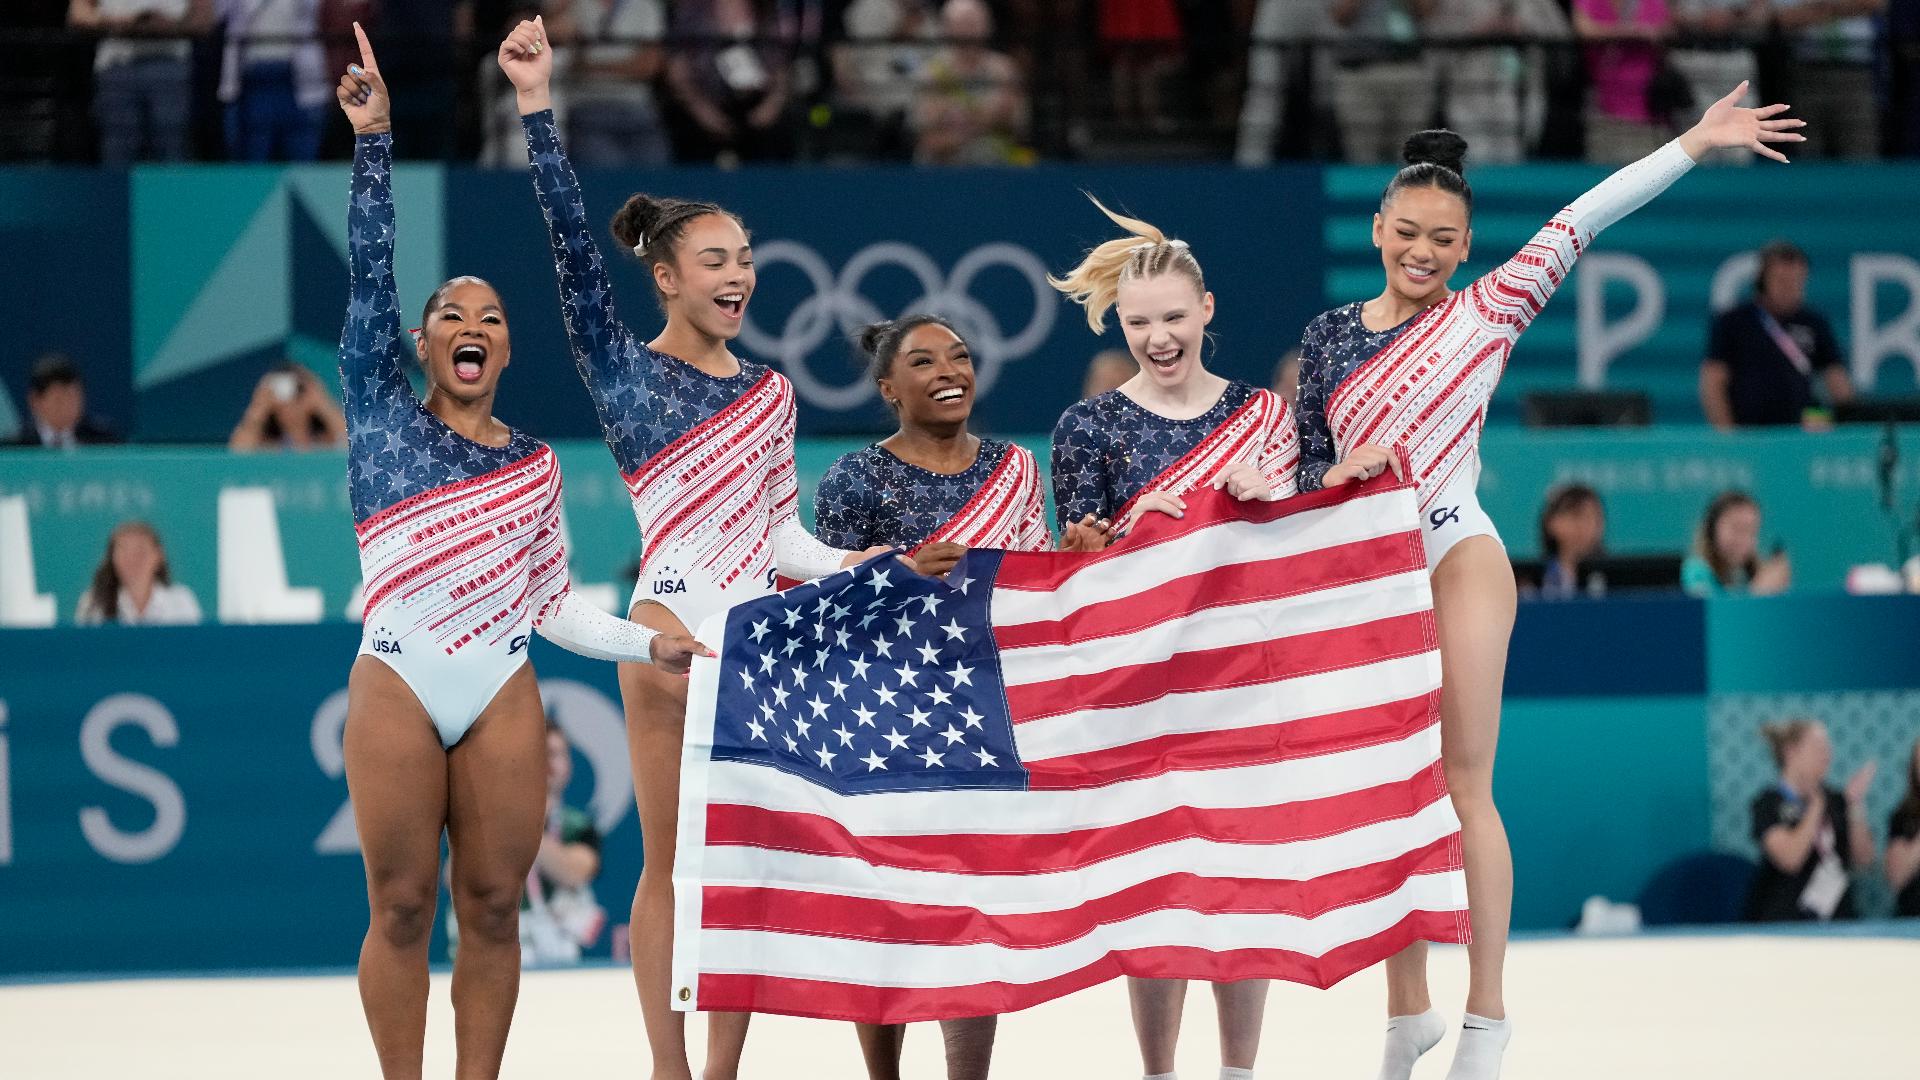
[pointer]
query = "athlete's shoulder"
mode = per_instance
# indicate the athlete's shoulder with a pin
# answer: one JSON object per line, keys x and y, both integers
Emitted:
{"x": 854, "y": 467}
{"x": 1085, "y": 418}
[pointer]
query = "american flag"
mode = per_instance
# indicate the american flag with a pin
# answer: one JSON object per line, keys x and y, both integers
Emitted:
{"x": 1209, "y": 752}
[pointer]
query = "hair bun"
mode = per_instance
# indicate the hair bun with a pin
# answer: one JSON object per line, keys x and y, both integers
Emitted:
{"x": 632, "y": 222}
{"x": 873, "y": 335}
{"x": 1437, "y": 146}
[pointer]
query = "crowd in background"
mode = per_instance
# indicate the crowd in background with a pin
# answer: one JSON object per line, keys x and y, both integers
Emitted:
{"x": 968, "y": 82}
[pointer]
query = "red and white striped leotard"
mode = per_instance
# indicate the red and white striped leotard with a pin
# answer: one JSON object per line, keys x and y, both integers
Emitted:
{"x": 460, "y": 545}
{"x": 1426, "y": 393}
{"x": 708, "y": 460}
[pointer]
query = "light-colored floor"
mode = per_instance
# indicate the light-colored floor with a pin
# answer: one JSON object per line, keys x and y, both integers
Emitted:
{"x": 1682, "y": 1007}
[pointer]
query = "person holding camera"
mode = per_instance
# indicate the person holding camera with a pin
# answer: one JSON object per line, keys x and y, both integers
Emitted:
{"x": 289, "y": 411}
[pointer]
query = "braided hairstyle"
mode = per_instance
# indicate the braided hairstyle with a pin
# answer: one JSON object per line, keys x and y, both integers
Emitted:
{"x": 1145, "y": 253}
{"x": 651, "y": 227}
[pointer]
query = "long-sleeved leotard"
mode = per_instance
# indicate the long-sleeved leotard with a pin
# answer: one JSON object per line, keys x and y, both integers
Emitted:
{"x": 1422, "y": 387}
{"x": 1108, "y": 450}
{"x": 871, "y": 497}
{"x": 708, "y": 460}
{"x": 459, "y": 542}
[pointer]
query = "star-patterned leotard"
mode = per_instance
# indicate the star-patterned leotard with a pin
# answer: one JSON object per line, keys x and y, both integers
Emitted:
{"x": 871, "y": 497}
{"x": 1109, "y": 449}
{"x": 460, "y": 542}
{"x": 708, "y": 460}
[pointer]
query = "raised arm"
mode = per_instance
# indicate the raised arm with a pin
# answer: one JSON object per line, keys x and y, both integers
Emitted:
{"x": 1516, "y": 290}
{"x": 603, "y": 348}
{"x": 372, "y": 346}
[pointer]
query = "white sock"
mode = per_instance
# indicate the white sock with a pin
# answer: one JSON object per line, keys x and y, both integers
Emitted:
{"x": 1162, "y": 1076}
{"x": 1407, "y": 1038}
{"x": 1482, "y": 1043}
{"x": 1227, "y": 1072}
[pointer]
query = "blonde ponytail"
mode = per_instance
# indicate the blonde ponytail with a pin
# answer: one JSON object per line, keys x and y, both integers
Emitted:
{"x": 1147, "y": 253}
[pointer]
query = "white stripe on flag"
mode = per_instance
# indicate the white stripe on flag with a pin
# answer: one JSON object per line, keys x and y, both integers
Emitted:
{"x": 1222, "y": 627}
{"x": 845, "y": 960}
{"x": 1237, "y": 707}
{"x": 1021, "y": 812}
{"x": 1224, "y": 544}
{"x": 1030, "y": 893}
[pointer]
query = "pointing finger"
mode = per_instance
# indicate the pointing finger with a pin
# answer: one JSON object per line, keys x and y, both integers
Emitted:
{"x": 366, "y": 48}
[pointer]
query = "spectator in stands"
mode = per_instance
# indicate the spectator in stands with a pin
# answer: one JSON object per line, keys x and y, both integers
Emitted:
{"x": 1716, "y": 51}
{"x": 289, "y": 411}
{"x": 133, "y": 586}
{"x": 559, "y": 915}
{"x": 142, "y": 74}
{"x": 1763, "y": 355}
{"x": 1903, "y": 844}
{"x": 1810, "y": 835}
{"x": 877, "y": 72}
{"x": 1573, "y": 529}
{"x": 274, "y": 83}
{"x": 1726, "y": 553}
{"x": 1623, "y": 40}
{"x": 1496, "y": 96}
{"x": 1277, "y": 71}
{"x": 612, "y": 117}
{"x": 731, "y": 83}
{"x": 971, "y": 108}
{"x": 1382, "y": 88}
{"x": 57, "y": 408}
{"x": 1106, "y": 371}
{"x": 1142, "y": 39}
{"x": 1833, "y": 74}
{"x": 1286, "y": 377}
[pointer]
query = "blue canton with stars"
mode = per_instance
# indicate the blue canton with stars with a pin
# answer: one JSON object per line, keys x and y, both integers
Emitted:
{"x": 872, "y": 679}
{"x": 646, "y": 400}
{"x": 396, "y": 449}
{"x": 1107, "y": 449}
{"x": 1335, "y": 343}
{"x": 872, "y": 497}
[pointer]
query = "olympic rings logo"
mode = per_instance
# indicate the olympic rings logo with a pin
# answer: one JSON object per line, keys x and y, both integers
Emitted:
{"x": 837, "y": 309}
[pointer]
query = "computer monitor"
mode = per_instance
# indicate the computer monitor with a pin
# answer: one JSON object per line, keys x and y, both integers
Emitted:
{"x": 1587, "y": 408}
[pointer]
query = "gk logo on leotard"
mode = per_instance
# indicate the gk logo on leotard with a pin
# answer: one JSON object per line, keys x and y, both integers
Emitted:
{"x": 516, "y": 644}
{"x": 836, "y": 308}
{"x": 1443, "y": 514}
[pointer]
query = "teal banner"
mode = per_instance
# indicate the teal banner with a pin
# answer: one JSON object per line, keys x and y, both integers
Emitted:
{"x": 1818, "y": 493}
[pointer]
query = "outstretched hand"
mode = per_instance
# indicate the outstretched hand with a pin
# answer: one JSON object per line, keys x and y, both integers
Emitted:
{"x": 526, "y": 58}
{"x": 362, "y": 93}
{"x": 674, "y": 653}
{"x": 1727, "y": 125}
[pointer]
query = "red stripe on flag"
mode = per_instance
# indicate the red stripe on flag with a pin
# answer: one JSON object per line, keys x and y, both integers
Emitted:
{"x": 1046, "y": 570}
{"x": 1238, "y": 583}
{"x": 1215, "y": 748}
{"x": 900, "y": 1005}
{"x": 860, "y": 918}
{"x": 734, "y": 824}
{"x": 1230, "y": 665}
